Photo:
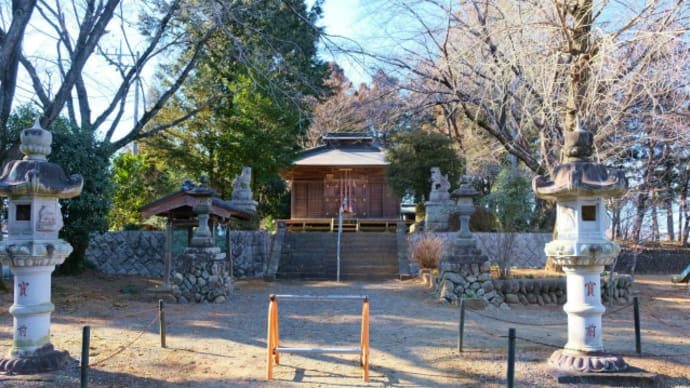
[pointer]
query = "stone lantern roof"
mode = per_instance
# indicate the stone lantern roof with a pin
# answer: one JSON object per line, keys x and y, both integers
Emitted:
{"x": 34, "y": 174}
{"x": 465, "y": 190}
{"x": 580, "y": 177}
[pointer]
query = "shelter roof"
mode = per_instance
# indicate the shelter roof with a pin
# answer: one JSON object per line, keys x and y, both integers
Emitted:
{"x": 178, "y": 205}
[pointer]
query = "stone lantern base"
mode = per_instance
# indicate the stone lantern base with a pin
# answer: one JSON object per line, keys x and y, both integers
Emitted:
{"x": 202, "y": 276}
{"x": 44, "y": 359}
{"x": 464, "y": 251}
{"x": 573, "y": 361}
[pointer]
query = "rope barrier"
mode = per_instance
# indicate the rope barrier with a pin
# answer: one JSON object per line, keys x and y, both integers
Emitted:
{"x": 481, "y": 329}
{"x": 136, "y": 313}
{"x": 122, "y": 348}
{"x": 610, "y": 312}
{"x": 670, "y": 325}
{"x": 518, "y": 322}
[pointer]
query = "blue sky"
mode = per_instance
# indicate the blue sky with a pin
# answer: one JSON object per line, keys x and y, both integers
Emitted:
{"x": 343, "y": 19}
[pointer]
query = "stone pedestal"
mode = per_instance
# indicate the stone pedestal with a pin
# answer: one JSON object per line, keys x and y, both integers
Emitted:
{"x": 202, "y": 276}
{"x": 437, "y": 214}
{"x": 584, "y": 351}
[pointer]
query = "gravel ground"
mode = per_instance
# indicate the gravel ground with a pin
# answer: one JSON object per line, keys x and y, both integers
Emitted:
{"x": 413, "y": 337}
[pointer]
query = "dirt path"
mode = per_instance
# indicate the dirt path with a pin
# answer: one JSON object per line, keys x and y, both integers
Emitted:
{"x": 413, "y": 338}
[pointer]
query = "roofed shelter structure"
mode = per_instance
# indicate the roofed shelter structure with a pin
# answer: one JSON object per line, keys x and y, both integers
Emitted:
{"x": 345, "y": 165}
{"x": 178, "y": 209}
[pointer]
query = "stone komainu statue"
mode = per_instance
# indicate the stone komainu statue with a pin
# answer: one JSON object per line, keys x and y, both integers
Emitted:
{"x": 241, "y": 185}
{"x": 439, "y": 185}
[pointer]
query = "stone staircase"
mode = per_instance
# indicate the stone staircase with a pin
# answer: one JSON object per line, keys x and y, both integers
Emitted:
{"x": 363, "y": 256}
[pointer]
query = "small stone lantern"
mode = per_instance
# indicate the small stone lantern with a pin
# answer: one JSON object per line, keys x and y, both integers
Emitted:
{"x": 32, "y": 249}
{"x": 201, "y": 274}
{"x": 464, "y": 250}
{"x": 202, "y": 237}
{"x": 582, "y": 248}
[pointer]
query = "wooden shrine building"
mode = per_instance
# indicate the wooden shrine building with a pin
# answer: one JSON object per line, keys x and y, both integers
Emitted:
{"x": 346, "y": 165}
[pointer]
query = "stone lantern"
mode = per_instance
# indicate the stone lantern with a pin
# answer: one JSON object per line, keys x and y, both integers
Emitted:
{"x": 582, "y": 248}
{"x": 202, "y": 237}
{"x": 32, "y": 249}
{"x": 464, "y": 250}
{"x": 201, "y": 274}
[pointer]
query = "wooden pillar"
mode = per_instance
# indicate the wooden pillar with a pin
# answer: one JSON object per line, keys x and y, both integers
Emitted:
{"x": 167, "y": 255}
{"x": 228, "y": 251}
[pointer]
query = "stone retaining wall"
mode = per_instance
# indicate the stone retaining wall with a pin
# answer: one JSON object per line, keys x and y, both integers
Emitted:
{"x": 475, "y": 281}
{"x": 525, "y": 250}
{"x": 665, "y": 261}
{"x": 141, "y": 253}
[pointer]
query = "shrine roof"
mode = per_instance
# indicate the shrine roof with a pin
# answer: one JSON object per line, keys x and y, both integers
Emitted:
{"x": 342, "y": 156}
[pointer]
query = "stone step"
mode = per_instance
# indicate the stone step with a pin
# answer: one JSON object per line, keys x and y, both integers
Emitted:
{"x": 364, "y": 255}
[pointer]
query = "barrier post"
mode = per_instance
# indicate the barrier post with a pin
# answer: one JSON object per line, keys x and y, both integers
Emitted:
{"x": 85, "y": 344}
{"x": 511, "y": 357}
{"x": 461, "y": 325}
{"x": 270, "y": 337}
{"x": 273, "y": 348}
{"x": 364, "y": 341}
{"x": 161, "y": 318}
{"x": 636, "y": 313}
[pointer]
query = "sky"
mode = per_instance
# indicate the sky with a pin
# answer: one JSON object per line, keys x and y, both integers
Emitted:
{"x": 342, "y": 19}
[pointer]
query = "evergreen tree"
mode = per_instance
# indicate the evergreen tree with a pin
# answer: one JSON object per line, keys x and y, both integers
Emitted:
{"x": 411, "y": 157}
{"x": 257, "y": 108}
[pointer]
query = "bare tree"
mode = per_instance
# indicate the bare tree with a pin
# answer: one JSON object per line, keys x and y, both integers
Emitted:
{"x": 523, "y": 72}
{"x": 133, "y": 39}
{"x": 79, "y": 35}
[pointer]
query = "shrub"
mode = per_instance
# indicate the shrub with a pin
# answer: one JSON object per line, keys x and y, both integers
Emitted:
{"x": 428, "y": 252}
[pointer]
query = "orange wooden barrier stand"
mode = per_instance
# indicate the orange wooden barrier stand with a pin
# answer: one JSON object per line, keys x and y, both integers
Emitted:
{"x": 273, "y": 348}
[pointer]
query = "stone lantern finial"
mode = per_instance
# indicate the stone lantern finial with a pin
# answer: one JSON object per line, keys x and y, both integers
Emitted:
{"x": 35, "y": 142}
{"x": 578, "y": 144}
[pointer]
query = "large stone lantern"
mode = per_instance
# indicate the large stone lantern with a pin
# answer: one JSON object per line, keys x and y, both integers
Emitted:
{"x": 32, "y": 249}
{"x": 582, "y": 248}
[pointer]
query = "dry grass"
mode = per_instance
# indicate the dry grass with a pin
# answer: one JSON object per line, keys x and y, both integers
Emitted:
{"x": 428, "y": 252}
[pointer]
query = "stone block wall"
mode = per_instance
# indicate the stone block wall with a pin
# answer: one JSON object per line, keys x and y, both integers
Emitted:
{"x": 476, "y": 282}
{"x": 141, "y": 253}
{"x": 128, "y": 253}
{"x": 526, "y": 250}
{"x": 251, "y": 252}
{"x": 654, "y": 261}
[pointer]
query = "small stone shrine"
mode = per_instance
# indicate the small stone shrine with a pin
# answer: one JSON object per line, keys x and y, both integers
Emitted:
{"x": 464, "y": 250}
{"x": 579, "y": 188}
{"x": 439, "y": 207}
{"x": 32, "y": 249}
{"x": 201, "y": 274}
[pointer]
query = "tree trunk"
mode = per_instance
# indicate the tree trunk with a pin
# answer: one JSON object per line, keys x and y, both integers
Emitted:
{"x": 641, "y": 209}
{"x": 668, "y": 203}
{"x": 655, "y": 223}
{"x": 615, "y": 220}
{"x": 683, "y": 209}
